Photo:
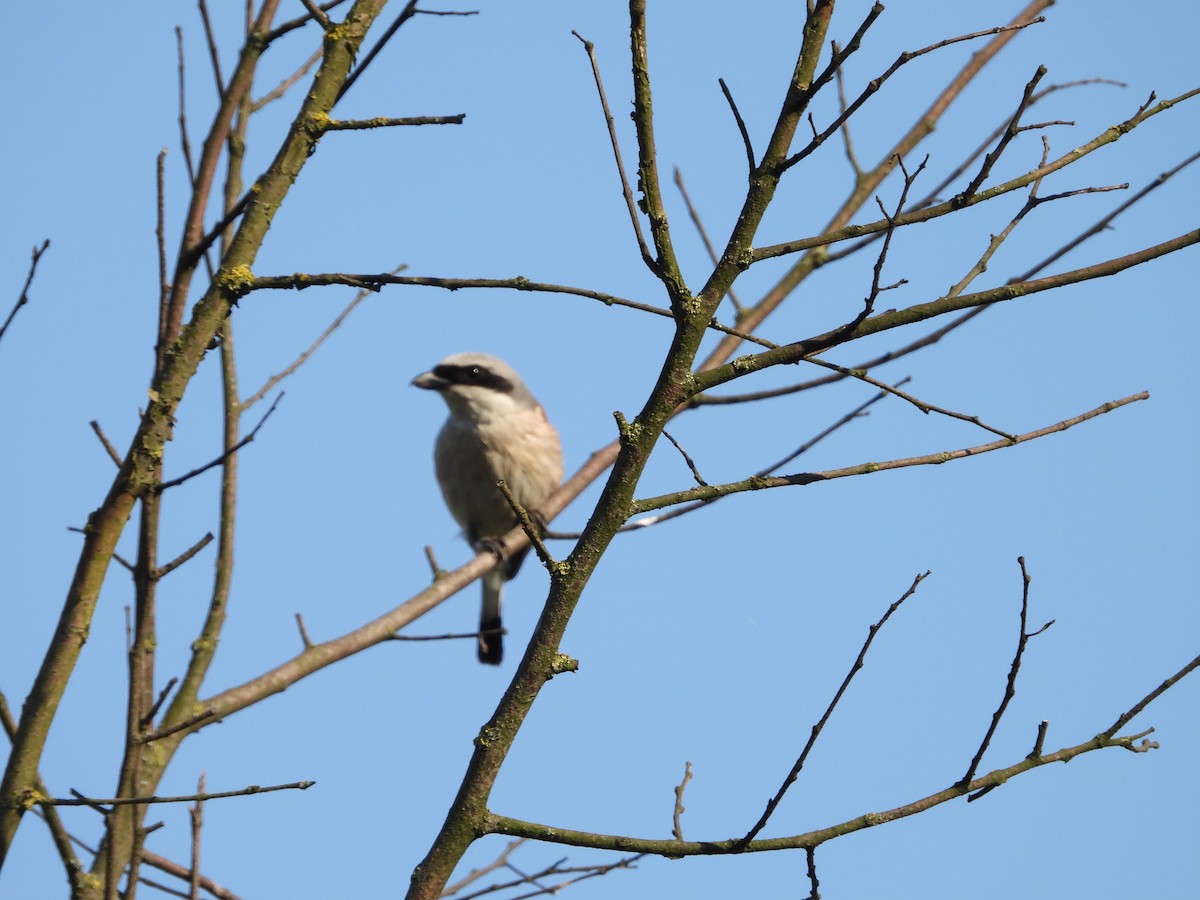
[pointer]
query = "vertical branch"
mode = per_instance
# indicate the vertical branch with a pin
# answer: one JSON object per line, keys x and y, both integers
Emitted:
{"x": 665, "y": 265}
{"x": 1010, "y": 687}
{"x": 196, "y": 814}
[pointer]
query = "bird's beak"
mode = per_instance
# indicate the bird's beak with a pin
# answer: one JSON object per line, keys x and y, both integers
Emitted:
{"x": 429, "y": 382}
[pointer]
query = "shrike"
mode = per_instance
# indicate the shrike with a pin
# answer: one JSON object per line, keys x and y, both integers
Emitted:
{"x": 496, "y": 431}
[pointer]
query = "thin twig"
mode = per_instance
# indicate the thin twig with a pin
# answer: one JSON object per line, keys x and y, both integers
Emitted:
{"x": 1010, "y": 687}
{"x": 687, "y": 459}
{"x": 816, "y": 729}
{"x": 109, "y": 448}
{"x": 409, "y": 10}
{"x": 163, "y": 571}
{"x": 1010, "y": 132}
{"x": 211, "y": 39}
{"x": 630, "y": 204}
{"x": 196, "y": 815}
{"x": 932, "y": 459}
{"x": 741, "y": 124}
{"x": 648, "y": 521}
{"x": 1134, "y": 710}
{"x": 24, "y": 295}
{"x": 80, "y": 800}
{"x": 303, "y": 631}
{"x": 1040, "y": 742}
{"x": 532, "y": 529}
{"x": 162, "y": 696}
{"x": 386, "y": 122}
{"x": 677, "y": 817}
{"x": 175, "y": 482}
{"x": 877, "y": 82}
{"x": 282, "y": 88}
{"x": 300, "y": 360}
{"x": 694, "y": 215}
{"x": 814, "y": 892}
{"x": 301, "y": 281}
{"x": 475, "y": 874}
{"x": 160, "y": 240}
{"x": 317, "y": 14}
{"x": 924, "y": 407}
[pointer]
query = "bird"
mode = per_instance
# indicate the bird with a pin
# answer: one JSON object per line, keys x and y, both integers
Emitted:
{"x": 496, "y": 431}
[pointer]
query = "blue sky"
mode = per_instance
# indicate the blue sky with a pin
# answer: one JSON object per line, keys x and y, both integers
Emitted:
{"x": 716, "y": 639}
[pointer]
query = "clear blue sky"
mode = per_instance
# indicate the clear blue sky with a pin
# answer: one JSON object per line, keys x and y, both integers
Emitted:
{"x": 717, "y": 639}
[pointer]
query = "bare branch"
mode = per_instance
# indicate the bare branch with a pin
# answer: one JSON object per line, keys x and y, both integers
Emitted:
{"x": 687, "y": 459}
{"x": 1010, "y": 687}
{"x": 163, "y": 571}
{"x": 694, "y": 215}
{"x": 175, "y": 482}
{"x": 303, "y": 357}
{"x": 211, "y": 39}
{"x": 630, "y": 205}
{"x": 741, "y": 124}
{"x": 816, "y": 729}
{"x": 81, "y": 800}
{"x": 924, "y": 407}
{"x": 876, "y": 83}
{"x": 284, "y": 86}
{"x": 933, "y": 459}
{"x": 318, "y": 15}
{"x": 300, "y": 281}
{"x": 385, "y": 122}
{"x": 677, "y": 830}
{"x": 1126, "y": 717}
{"x": 109, "y": 448}
{"x": 196, "y": 815}
{"x": 24, "y": 296}
{"x": 925, "y": 214}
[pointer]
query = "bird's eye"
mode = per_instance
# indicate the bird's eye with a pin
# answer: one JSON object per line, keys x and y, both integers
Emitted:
{"x": 473, "y": 373}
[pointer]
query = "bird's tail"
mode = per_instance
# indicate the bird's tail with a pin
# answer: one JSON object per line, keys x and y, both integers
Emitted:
{"x": 491, "y": 640}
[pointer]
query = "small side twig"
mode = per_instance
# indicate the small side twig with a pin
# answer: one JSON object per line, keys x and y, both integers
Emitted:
{"x": 303, "y": 631}
{"x": 391, "y": 122}
{"x": 686, "y": 458}
{"x": 437, "y": 571}
{"x": 741, "y": 124}
{"x": 164, "y": 571}
{"x": 112, "y": 451}
{"x": 1040, "y": 742}
{"x": 533, "y": 530}
{"x": 196, "y": 815}
{"x": 175, "y": 482}
{"x": 694, "y": 215}
{"x": 677, "y": 830}
{"x": 317, "y": 14}
{"x": 475, "y": 874}
{"x": 814, "y": 892}
{"x": 162, "y": 696}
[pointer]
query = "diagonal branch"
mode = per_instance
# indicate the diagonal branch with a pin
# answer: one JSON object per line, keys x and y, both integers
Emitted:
{"x": 24, "y": 296}
{"x": 816, "y": 729}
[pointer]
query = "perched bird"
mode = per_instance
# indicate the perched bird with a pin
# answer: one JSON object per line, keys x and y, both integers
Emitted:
{"x": 496, "y": 431}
